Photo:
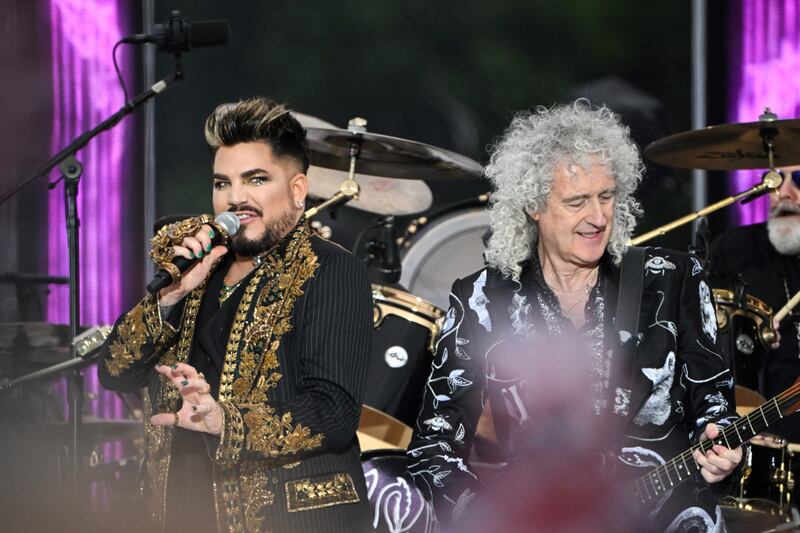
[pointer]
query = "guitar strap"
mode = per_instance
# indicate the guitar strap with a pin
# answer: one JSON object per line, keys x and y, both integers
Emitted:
{"x": 625, "y": 329}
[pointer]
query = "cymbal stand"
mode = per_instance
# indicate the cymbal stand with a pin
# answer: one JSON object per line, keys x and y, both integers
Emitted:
{"x": 771, "y": 180}
{"x": 349, "y": 188}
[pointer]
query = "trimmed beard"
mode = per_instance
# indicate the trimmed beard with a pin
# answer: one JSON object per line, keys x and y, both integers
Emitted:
{"x": 784, "y": 232}
{"x": 242, "y": 246}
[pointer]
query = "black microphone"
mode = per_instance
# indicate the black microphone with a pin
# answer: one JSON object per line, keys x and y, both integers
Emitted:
{"x": 225, "y": 225}
{"x": 178, "y": 35}
{"x": 390, "y": 267}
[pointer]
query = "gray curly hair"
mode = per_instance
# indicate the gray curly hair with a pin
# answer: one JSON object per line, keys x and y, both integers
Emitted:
{"x": 522, "y": 168}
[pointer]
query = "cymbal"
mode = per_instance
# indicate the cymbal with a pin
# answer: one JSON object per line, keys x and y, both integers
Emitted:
{"x": 310, "y": 121}
{"x": 391, "y": 157}
{"x": 729, "y": 146}
{"x": 377, "y": 194}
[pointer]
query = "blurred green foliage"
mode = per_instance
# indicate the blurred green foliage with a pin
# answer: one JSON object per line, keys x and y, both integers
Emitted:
{"x": 447, "y": 73}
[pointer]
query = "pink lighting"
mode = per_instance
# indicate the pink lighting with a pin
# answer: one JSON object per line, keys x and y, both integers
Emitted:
{"x": 764, "y": 73}
{"x": 85, "y": 92}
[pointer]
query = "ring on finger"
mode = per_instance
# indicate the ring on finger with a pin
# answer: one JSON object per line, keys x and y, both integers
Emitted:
{"x": 177, "y": 419}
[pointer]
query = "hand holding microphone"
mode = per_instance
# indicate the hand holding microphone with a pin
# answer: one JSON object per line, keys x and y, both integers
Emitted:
{"x": 193, "y": 258}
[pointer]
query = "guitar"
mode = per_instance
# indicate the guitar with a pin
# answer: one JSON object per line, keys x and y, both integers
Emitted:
{"x": 658, "y": 481}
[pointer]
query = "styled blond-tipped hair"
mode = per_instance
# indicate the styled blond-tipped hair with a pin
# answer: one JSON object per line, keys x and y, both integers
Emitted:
{"x": 258, "y": 120}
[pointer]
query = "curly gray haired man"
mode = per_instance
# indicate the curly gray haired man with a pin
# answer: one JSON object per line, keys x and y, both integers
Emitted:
{"x": 535, "y": 329}
{"x": 523, "y": 166}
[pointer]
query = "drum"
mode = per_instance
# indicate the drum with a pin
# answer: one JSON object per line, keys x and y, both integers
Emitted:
{"x": 405, "y": 327}
{"x": 397, "y": 504}
{"x": 449, "y": 246}
{"x": 744, "y": 329}
{"x": 763, "y": 495}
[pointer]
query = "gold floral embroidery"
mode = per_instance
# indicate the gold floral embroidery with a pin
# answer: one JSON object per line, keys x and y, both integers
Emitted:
{"x": 304, "y": 494}
{"x": 159, "y": 438}
{"x": 226, "y": 385}
{"x": 232, "y": 435}
{"x": 255, "y": 495}
{"x": 141, "y": 325}
{"x": 274, "y": 315}
{"x": 274, "y": 435}
{"x": 255, "y": 346}
{"x": 131, "y": 336}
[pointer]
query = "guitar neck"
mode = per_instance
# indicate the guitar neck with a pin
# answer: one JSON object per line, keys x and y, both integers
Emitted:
{"x": 669, "y": 475}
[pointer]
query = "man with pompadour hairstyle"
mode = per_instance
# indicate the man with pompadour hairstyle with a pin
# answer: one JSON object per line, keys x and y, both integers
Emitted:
{"x": 255, "y": 360}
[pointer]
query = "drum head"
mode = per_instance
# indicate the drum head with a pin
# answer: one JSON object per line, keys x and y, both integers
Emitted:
{"x": 447, "y": 248}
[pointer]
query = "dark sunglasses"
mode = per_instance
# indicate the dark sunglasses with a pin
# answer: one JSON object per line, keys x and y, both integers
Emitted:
{"x": 795, "y": 175}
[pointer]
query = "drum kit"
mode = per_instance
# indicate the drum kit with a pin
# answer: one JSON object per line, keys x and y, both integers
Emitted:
{"x": 763, "y": 496}
{"x": 392, "y": 174}
{"x": 391, "y": 177}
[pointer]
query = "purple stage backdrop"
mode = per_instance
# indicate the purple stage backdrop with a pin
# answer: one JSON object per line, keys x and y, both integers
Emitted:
{"x": 86, "y": 91}
{"x": 764, "y": 67}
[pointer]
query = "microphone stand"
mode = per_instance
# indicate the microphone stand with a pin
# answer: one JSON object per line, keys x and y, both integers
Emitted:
{"x": 71, "y": 170}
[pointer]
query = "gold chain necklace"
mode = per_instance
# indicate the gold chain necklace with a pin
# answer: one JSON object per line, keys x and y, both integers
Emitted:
{"x": 225, "y": 291}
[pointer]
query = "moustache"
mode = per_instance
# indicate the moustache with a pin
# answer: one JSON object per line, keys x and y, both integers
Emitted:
{"x": 245, "y": 207}
{"x": 784, "y": 208}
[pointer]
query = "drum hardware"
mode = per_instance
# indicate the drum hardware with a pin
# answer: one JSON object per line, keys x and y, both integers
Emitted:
{"x": 347, "y": 191}
{"x": 389, "y": 301}
{"x": 419, "y": 223}
{"x": 732, "y": 146}
{"x": 728, "y": 147}
{"x": 405, "y": 327}
{"x": 391, "y": 157}
{"x": 745, "y": 326}
{"x": 767, "y": 482}
{"x": 770, "y": 180}
{"x": 383, "y": 251}
{"x": 444, "y": 248}
{"x": 379, "y": 431}
{"x": 391, "y": 169}
{"x": 377, "y": 194}
{"x": 731, "y": 304}
{"x": 349, "y": 187}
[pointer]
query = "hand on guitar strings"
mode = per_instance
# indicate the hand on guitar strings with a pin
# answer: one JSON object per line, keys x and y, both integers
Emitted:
{"x": 199, "y": 411}
{"x": 719, "y": 461}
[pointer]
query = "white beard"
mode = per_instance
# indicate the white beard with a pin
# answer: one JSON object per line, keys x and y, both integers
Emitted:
{"x": 784, "y": 234}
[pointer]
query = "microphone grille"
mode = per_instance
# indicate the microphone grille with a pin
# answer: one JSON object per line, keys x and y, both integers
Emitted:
{"x": 229, "y": 222}
{"x": 209, "y": 33}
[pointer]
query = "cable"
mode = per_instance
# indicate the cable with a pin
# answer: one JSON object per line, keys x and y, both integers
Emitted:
{"x": 117, "y": 70}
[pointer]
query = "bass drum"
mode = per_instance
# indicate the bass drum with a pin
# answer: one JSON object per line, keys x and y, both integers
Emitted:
{"x": 447, "y": 247}
{"x": 397, "y": 505}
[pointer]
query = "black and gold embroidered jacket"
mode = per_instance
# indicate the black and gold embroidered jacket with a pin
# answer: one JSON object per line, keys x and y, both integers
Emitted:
{"x": 286, "y": 357}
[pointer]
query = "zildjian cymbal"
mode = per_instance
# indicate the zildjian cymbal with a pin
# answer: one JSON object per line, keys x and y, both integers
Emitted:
{"x": 730, "y": 146}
